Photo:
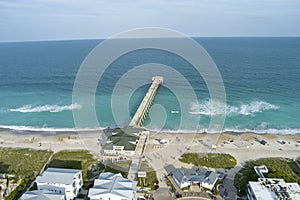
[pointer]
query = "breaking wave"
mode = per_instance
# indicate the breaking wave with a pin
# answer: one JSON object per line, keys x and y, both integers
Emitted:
{"x": 46, "y": 108}
{"x": 209, "y": 107}
{"x": 49, "y": 130}
{"x": 27, "y": 129}
{"x": 283, "y": 131}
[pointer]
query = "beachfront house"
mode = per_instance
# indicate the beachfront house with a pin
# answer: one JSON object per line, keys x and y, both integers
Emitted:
{"x": 61, "y": 181}
{"x": 111, "y": 186}
{"x": 184, "y": 178}
{"x": 269, "y": 189}
{"x": 120, "y": 146}
{"x": 209, "y": 180}
{"x": 181, "y": 180}
{"x": 41, "y": 195}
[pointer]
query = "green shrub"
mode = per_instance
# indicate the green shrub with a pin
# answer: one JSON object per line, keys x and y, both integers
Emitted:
{"x": 151, "y": 179}
{"x": 22, "y": 162}
{"x": 212, "y": 160}
{"x": 283, "y": 168}
{"x": 74, "y": 159}
{"x": 25, "y": 164}
{"x": 169, "y": 184}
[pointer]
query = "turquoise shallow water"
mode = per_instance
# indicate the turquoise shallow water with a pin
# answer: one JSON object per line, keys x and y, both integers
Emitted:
{"x": 261, "y": 78}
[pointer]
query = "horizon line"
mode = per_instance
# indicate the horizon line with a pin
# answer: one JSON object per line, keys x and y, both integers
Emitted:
{"x": 83, "y": 39}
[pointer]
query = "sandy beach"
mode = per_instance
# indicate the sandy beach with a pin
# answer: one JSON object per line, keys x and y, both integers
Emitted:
{"x": 243, "y": 146}
{"x": 50, "y": 141}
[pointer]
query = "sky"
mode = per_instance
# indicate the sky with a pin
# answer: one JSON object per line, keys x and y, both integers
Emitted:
{"x": 36, "y": 20}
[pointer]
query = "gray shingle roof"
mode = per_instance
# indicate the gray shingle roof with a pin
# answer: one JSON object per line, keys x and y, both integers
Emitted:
{"x": 41, "y": 195}
{"x": 113, "y": 184}
{"x": 211, "y": 178}
{"x": 179, "y": 176}
{"x": 183, "y": 175}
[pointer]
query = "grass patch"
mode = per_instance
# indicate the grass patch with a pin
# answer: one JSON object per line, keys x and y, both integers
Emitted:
{"x": 151, "y": 179}
{"x": 119, "y": 167}
{"x": 22, "y": 162}
{"x": 170, "y": 185}
{"x": 187, "y": 188}
{"x": 212, "y": 160}
{"x": 293, "y": 165}
{"x": 278, "y": 168}
{"x": 91, "y": 167}
{"x": 215, "y": 190}
{"x": 25, "y": 164}
{"x": 75, "y": 159}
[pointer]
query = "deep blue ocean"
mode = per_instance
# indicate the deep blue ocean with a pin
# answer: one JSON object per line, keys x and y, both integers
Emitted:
{"x": 261, "y": 78}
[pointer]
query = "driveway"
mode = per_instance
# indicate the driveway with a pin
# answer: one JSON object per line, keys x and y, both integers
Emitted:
{"x": 162, "y": 194}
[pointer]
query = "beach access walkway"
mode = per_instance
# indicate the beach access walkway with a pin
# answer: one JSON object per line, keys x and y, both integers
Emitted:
{"x": 138, "y": 154}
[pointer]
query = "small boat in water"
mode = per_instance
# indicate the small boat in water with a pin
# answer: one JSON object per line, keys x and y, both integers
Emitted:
{"x": 174, "y": 111}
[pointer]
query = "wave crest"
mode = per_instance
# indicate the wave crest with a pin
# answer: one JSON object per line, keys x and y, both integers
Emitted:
{"x": 280, "y": 131}
{"x": 27, "y": 129}
{"x": 46, "y": 108}
{"x": 210, "y": 107}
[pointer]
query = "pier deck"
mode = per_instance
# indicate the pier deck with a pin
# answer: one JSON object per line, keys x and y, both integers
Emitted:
{"x": 142, "y": 111}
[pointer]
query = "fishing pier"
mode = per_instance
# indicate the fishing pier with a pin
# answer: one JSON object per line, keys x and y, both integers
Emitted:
{"x": 142, "y": 111}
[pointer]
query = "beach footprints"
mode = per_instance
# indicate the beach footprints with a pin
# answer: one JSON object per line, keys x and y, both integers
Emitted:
{"x": 140, "y": 45}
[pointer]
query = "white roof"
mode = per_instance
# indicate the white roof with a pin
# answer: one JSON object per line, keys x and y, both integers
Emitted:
{"x": 260, "y": 191}
{"x": 58, "y": 175}
{"x": 41, "y": 195}
{"x": 265, "y": 192}
{"x": 112, "y": 186}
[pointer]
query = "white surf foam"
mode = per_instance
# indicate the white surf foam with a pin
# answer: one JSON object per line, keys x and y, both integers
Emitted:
{"x": 46, "y": 108}
{"x": 25, "y": 129}
{"x": 257, "y": 131}
{"x": 209, "y": 107}
{"x": 286, "y": 131}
